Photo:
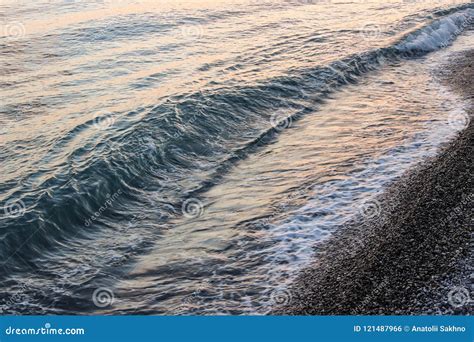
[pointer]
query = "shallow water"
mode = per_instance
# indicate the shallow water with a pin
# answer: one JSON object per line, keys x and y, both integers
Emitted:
{"x": 187, "y": 158}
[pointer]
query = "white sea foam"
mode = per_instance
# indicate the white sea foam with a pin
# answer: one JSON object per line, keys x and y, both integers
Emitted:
{"x": 335, "y": 203}
{"x": 438, "y": 34}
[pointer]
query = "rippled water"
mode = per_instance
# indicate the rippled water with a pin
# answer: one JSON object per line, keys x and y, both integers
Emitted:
{"x": 186, "y": 158}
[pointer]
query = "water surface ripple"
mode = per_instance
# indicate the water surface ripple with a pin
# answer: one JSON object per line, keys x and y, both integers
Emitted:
{"x": 187, "y": 159}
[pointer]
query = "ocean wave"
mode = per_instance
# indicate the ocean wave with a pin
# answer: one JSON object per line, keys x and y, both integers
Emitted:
{"x": 438, "y": 34}
{"x": 183, "y": 146}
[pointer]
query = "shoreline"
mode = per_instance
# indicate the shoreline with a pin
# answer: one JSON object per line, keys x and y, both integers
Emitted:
{"x": 416, "y": 256}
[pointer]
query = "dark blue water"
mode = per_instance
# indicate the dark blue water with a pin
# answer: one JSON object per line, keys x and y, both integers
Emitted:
{"x": 186, "y": 159}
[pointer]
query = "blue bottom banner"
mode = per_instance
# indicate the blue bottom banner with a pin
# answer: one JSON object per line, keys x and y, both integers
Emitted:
{"x": 238, "y": 329}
